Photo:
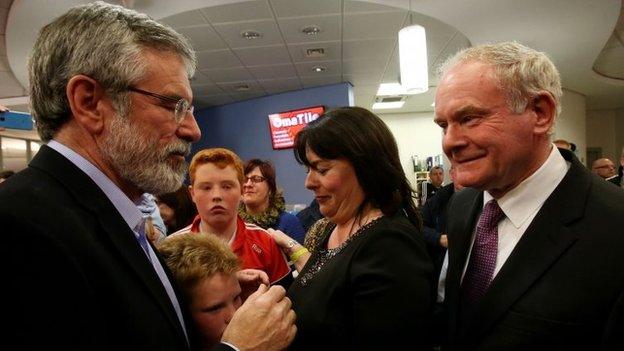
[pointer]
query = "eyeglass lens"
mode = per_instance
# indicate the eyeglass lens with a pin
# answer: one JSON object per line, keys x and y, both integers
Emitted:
{"x": 255, "y": 179}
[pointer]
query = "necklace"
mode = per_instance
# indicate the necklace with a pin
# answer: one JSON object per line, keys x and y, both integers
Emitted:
{"x": 325, "y": 255}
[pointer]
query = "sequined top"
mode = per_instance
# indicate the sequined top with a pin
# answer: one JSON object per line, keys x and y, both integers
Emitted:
{"x": 325, "y": 254}
{"x": 374, "y": 290}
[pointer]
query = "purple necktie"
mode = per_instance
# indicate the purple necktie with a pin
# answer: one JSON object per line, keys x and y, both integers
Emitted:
{"x": 143, "y": 227}
{"x": 483, "y": 257}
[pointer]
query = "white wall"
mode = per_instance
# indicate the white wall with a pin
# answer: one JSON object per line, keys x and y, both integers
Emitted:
{"x": 571, "y": 124}
{"x": 601, "y": 132}
{"x": 416, "y": 134}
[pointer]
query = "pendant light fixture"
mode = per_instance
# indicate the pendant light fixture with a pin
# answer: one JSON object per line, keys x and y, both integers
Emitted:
{"x": 413, "y": 57}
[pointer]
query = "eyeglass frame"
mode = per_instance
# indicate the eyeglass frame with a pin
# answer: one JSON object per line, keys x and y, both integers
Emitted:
{"x": 254, "y": 179}
{"x": 179, "y": 111}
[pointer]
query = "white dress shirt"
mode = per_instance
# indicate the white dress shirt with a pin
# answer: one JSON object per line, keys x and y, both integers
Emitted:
{"x": 522, "y": 203}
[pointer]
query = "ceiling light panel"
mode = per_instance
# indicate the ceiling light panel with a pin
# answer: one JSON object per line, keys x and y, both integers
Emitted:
{"x": 388, "y": 105}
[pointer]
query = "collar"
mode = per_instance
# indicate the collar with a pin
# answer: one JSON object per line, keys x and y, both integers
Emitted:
{"x": 529, "y": 196}
{"x": 199, "y": 227}
{"x": 126, "y": 208}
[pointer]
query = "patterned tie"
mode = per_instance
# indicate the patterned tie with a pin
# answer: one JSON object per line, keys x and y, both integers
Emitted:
{"x": 483, "y": 257}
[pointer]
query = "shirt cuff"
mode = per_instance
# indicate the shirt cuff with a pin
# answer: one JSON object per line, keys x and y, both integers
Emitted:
{"x": 230, "y": 345}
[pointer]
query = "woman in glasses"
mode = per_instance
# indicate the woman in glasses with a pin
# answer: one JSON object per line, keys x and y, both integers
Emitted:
{"x": 263, "y": 204}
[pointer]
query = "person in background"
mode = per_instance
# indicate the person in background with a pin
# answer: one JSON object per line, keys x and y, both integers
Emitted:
{"x": 563, "y": 144}
{"x": 434, "y": 222}
{"x": 436, "y": 178}
{"x": 605, "y": 169}
{"x": 436, "y": 237}
{"x": 309, "y": 215}
{"x": 216, "y": 188}
{"x": 368, "y": 284}
{"x": 535, "y": 240}
{"x": 205, "y": 269}
{"x": 263, "y": 204}
{"x": 176, "y": 209}
{"x": 620, "y": 171}
{"x": 155, "y": 227}
{"x": 4, "y": 175}
{"x": 110, "y": 94}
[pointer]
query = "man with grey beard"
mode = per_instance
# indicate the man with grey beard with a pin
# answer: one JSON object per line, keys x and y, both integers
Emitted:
{"x": 110, "y": 94}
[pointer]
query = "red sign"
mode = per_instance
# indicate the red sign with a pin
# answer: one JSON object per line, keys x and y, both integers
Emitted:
{"x": 285, "y": 125}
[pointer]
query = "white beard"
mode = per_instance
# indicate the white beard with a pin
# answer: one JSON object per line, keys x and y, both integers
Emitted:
{"x": 140, "y": 161}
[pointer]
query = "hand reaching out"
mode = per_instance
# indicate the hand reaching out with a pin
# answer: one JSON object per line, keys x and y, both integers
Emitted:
{"x": 264, "y": 322}
{"x": 250, "y": 280}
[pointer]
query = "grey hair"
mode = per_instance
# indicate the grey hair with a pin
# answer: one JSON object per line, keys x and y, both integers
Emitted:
{"x": 99, "y": 40}
{"x": 521, "y": 71}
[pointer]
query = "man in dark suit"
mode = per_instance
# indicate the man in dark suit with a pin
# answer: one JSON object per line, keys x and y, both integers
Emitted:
{"x": 436, "y": 178}
{"x": 110, "y": 94}
{"x": 604, "y": 168}
{"x": 535, "y": 243}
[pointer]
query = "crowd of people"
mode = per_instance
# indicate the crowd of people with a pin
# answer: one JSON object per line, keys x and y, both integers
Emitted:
{"x": 107, "y": 249}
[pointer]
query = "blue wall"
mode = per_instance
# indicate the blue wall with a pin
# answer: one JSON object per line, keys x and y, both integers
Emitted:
{"x": 243, "y": 127}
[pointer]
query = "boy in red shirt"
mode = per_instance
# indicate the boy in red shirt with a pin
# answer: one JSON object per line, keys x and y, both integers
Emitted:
{"x": 216, "y": 188}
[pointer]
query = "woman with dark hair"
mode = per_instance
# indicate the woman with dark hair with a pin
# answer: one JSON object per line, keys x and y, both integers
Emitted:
{"x": 263, "y": 204}
{"x": 176, "y": 209}
{"x": 368, "y": 282}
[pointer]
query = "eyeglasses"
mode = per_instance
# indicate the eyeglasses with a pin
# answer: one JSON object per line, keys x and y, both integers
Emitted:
{"x": 255, "y": 179}
{"x": 182, "y": 106}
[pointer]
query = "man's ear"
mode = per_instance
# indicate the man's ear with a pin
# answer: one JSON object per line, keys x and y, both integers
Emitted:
{"x": 85, "y": 96}
{"x": 545, "y": 109}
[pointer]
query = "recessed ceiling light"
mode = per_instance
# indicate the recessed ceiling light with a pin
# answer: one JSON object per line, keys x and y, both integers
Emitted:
{"x": 311, "y": 30}
{"x": 251, "y": 34}
{"x": 318, "y": 69}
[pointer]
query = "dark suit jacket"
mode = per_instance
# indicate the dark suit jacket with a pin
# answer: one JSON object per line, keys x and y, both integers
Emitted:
{"x": 434, "y": 224}
{"x": 561, "y": 287}
{"x": 74, "y": 276}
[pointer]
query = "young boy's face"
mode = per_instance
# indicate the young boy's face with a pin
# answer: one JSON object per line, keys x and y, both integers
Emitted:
{"x": 213, "y": 302}
{"x": 216, "y": 193}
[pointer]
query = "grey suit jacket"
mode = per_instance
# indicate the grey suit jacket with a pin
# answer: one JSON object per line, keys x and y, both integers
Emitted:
{"x": 562, "y": 286}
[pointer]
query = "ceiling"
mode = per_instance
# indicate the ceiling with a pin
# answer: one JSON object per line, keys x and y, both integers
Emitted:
{"x": 359, "y": 39}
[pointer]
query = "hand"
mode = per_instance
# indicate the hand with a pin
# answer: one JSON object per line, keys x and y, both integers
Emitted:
{"x": 264, "y": 322}
{"x": 444, "y": 241}
{"x": 250, "y": 280}
{"x": 281, "y": 239}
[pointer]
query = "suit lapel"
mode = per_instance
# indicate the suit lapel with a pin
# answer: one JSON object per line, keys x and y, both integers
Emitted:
{"x": 463, "y": 209}
{"x": 116, "y": 231}
{"x": 544, "y": 241}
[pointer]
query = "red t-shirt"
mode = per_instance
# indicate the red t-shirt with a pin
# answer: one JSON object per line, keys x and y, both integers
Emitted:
{"x": 255, "y": 247}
